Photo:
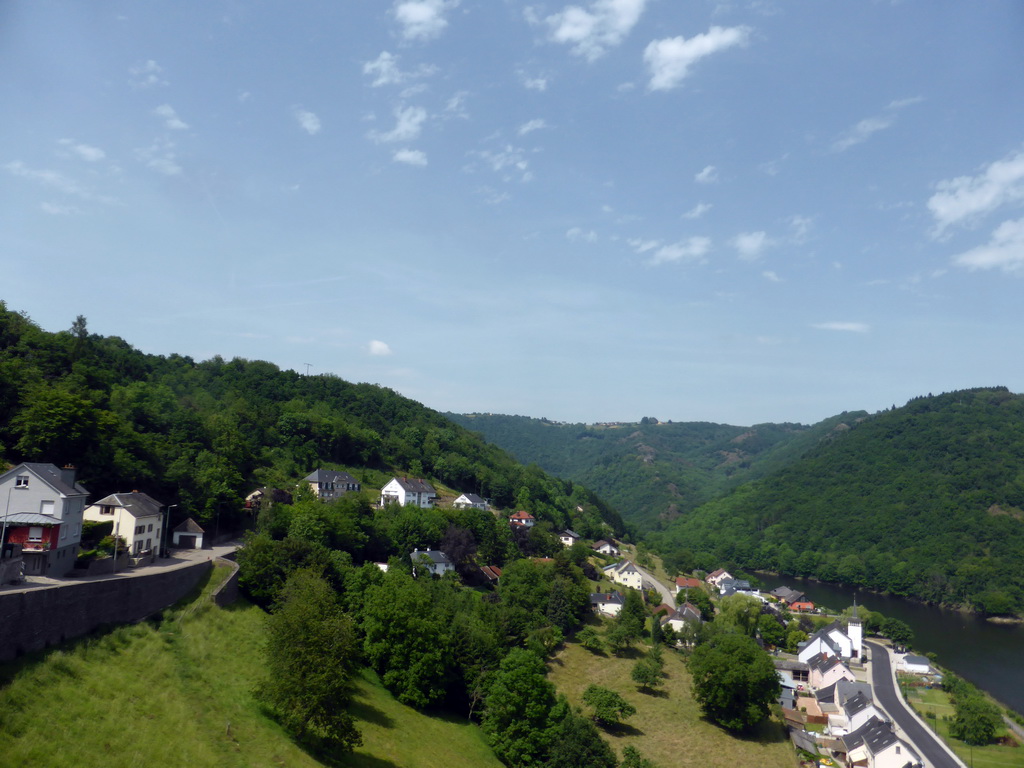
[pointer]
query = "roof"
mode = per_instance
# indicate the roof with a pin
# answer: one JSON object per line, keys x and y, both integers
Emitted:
{"x": 913, "y": 658}
{"x": 687, "y": 582}
{"x": 840, "y": 692}
{"x": 414, "y": 485}
{"x": 791, "y": 664}
{"x": 472, "y": 498}
{"x": 787, "y": 594}
{"x": 823, "y": 663}
{"x": 604, "y": 543}
{"x": 492, "y": 572}
{"x": 330, "y": 476}
{"x": 623, "y": 566}
{"x": 31, "y": 518}
{"x": 876, "y": 735}
{"x": 856, "y": 703}
{"x": 189, "y": 526}
{"x": 49, "y": 474}
{"x": 685, "y": 612}
{"x": 604, "y": 598}
{"x": 521, "y": 515}
{"x": 570, "y": 534}
{"x": 136, "y": 504}
{"x": 436, "y": 556}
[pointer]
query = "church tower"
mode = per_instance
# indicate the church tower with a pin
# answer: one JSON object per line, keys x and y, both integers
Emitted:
{"x": 855, "y": 630}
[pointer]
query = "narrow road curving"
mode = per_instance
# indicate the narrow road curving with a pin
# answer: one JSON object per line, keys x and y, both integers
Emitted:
{"x": 883, "y": 683}
{"x": 667, "y": 595}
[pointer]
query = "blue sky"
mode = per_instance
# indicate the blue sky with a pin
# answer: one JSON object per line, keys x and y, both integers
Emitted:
{"x": 726, "y": 211}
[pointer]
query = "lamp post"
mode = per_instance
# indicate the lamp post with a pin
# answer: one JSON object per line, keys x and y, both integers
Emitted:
{"x": 7, "y": 512}
{"x": 167, "y": 524}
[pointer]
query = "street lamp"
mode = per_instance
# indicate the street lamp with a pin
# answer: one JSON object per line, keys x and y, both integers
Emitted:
{"x": 167, "y": 524}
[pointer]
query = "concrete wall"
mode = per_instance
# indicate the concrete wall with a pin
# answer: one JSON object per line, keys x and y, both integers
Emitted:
{"x": 34, "y": 619}
{"x": 227, "y": 592}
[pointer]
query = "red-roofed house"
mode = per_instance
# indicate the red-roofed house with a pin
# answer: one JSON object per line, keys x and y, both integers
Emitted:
{"x": 686, "y": 582}
{"x": 522, "y": 518}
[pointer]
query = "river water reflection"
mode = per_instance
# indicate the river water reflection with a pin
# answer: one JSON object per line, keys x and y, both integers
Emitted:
{"x": 989, "y": 655}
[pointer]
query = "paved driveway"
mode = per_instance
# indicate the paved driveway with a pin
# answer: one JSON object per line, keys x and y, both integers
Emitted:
{"x": 883, "y": 684}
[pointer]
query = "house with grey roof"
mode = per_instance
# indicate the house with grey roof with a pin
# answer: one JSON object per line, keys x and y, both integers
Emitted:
{"x": 856, "y": 710}
{"x": 875, "y": 745}
{"x": 188, "y": 535}
{"x": 568, "y": 537}
{"x": 406, "y": 491}
{"x": 607, "y": 603}
{"x": 826, "y": 670}
{"x": 330, "y": 484}
{"x": 430, "y": 561}
{"x": 42, "y": 513}
{"x": 624, "y": 573}
{"x": 137, "y": 517}
{"x": 470, "y": 501}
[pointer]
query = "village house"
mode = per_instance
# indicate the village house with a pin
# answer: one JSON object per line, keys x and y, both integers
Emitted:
{"x": 913, "y": 664}
{"x": 832, "y": 698}
{"x": 715, "y": 578}
{"x": 43, "y": 515}
{"x": 403, "y": 491}
{"x": 854, "y": 713}
{"x": 792, "y": 673}
{"x": 687, "y": 582}
{"x": 624, "y": 573}
{"x": 490, "y": 573}
{"x": 138, "y": 518}
{"x": 686, "y": 613}
{"x": 875, "y": 745}
{"x": 568, "y": 538}
{"x": 826, "y": 670}
{"x": 792, "y": 599}
{"x": 833, "y": 640}
{"x": 330, "y": 484}
{"x": 606, "y": 547}
{"x": 606, "y": 603}
{"x": 470, "y": 501}
{"x": 525, "y": 519}
{"x": 188, "y": 535}
{"x": 431, "y": 561}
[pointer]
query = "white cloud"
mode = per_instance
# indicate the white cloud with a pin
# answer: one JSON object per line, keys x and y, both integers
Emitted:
{"x": 532, "y": 125}
{"x": 170, "y": 117}
{"x": 456, "y": 105}
{"x": 410, "y": 157}
{"x": 693, "y": 249}
{"x": 146, "y": 75}
{"x": 771, "y": 276}
{"x": 84, "y": 151}
{"x": 669, "y": 60}
{"x": 244, "y": 96}
{"x": 750, "y": 244}
{"x": 59, "y": 210}
{"x": 379, "y": 348}
{"x": 901, "y": 103}
{"x": 577, "y": 235}
{"x": 385, "y": 71}
{"x": 308, "y": 121}
{"x": 408, "y": 124}
{"x": 1005, "y": 250}
{"x": 592, "y": 32}
{"x": 861, "y": 132}
{"x": 57, "y": 181}
{"x": 534, "y": 83}
{"x": 507, "y": 159}
{"x": 697, "y": 211}
{"x": 800, "y": 225}
{"x": 966, "y": 198}
{"x": 707, "y": 176}
{"x": 161, "y": 157}
{"x": 643, "y": 246}
{"x": 423, "y": 19}
{"x": 842, "y": 326}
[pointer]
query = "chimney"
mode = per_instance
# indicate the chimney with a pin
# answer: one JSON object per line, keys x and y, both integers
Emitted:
{"x": 67, "y": 475}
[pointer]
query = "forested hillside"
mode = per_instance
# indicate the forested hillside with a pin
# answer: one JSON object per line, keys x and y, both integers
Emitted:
{"x": 653, "y": 471}
{"x": 925, "y": 501}
{"x": 203, "y": 434}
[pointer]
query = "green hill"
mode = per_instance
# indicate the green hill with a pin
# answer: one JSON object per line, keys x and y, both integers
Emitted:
{"x": 923, "y": 501}
{"x": 652, "y": 471}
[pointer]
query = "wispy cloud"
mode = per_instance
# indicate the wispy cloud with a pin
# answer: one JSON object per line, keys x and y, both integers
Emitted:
{"x": 965, "y": 199}
{"x": 456, "y": 105}
{"x": 534, "y": 83}
{"x": 771, "y": 276}
{"x": 842, "y": 326}
{"x": 801, "y": 226}
{"x": 59, "y": 210}
{"x": 531, "y": 125}
{"x": 170, "y": 117}
{"x": 410, "y": 157}
{"x": 697, "y": 211}
{"x": 84, "y": 151}
{"x": 861, "y": 132}
{"x": 378, "y": 348}
{"x": 385, "y": 71}
{"x": 161, "y": 157}
{"x": 57, "y": 181}
{"x": 749, "y": 245}
{"x": 146, "y": 74}
{"x": 423, "y": 19}
{"x": 408, "y": 125}
{"x": 693, "y": 249}
{"x": 308, "y": 121}
{"x": 507, "y": 160}
{"x": 669, "y": 60}
{"x": 578, "y": 235}
{"x": 709, "y": 175}
{"x": 1005, "y": 250}
{"x": 592, "y": 31}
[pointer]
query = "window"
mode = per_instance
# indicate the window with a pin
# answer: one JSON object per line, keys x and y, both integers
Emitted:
{"x": 78, "y": 529}
{"x": 63, "y": 532}
{"x": 149, "y": 543}
{"x": 35, "y": 533}
{"x": 21, "y": 481}
{"x": 150, "y": 529}
{"x": 106, "y": 510}
{"x": 46, "y": 508}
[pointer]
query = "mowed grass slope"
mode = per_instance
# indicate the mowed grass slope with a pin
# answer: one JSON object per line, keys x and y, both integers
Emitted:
{"x": 937, "y": 702}
{"x": 667, "y": 727}
{"x": 178, "y": 693}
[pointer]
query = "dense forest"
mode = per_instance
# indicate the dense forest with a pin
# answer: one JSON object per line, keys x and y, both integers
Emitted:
{"x": 654, "y": 471}
{"x": 203, "y": 434}
{"x": 925, "y": 501}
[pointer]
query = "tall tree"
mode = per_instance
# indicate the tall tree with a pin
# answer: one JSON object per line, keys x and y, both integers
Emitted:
{"x": 734, "y": 681}
{"x": 609, "y": 707}
{"x": 518, "y": 717}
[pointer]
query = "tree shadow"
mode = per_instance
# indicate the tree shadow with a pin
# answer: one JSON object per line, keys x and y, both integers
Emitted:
{"x": 764, "y": 733}
{"x": 654, "y": 692}
{"x": 630, "y": 653}
{"x": 621, "y": 729}
{"x": 357, "y": 760}
{"x": 362, "y": 710}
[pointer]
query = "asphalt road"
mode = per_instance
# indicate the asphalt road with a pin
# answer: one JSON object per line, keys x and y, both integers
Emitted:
{"x": 667, "y": 594}
{"x": 883, "y": 685}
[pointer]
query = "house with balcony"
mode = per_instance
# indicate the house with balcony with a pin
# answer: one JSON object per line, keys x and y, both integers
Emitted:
{"x": 330, "y": 484}
{"x": 138, "y": 518}
{"x": 42, "y": 513}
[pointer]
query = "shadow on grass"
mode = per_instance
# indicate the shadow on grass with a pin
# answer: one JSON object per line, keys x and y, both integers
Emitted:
{"x": 654, "y": 692}
{"x": 621, "y": 729}
{"x": 630, "y": 653}
{"x": 356, "y": 760}
{"x": 361, "y": 710}
{"x": 764, "y": 733}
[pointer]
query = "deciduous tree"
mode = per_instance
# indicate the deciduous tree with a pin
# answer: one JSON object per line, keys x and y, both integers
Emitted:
{"x": 734, "y": 681}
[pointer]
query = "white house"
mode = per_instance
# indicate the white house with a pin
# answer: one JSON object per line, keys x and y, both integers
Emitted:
{"x": 624, "y": 573}
{"x": 470, "y": 501}
{"x": 855, "y": 712}
{"x": 833, "y": 640}
{"x": 827, "y": 670}
{"x": 137, "y": 517}
{"x": 606, "y": 548}
{"x": 405, "y": 491}
{"x": 188, "y": 535}
{"x": 522, "y": 518}
{"x": 568, "y": 538}
{"x": 876, "y": 746}
{"x": 430, "y": 561}
{"x": 683, "y": 615}
{"x": 913, "y": 664}
{"x": 42, "y": 512}
{"x": 716, "y": 577}
{"x": 606, "y": 603}
{"x": 330, "y": 484}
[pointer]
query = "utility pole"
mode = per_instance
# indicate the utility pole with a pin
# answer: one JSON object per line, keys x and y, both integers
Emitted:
{"x": 167, "y": 525}
{"x": 308, "y": 366}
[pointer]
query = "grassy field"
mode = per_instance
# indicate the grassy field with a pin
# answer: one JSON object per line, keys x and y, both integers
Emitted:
{"x": 667, "y": 727}
{"x": 178, "y": 693}
{"x": 933, "y": 701}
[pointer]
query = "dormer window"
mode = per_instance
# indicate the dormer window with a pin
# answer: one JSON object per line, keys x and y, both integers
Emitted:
{"x": 21, "y": 481}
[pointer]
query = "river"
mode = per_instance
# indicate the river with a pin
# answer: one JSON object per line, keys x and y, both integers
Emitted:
{"x": 989, "y": 655}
